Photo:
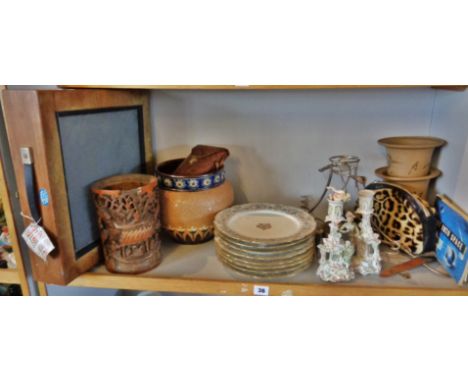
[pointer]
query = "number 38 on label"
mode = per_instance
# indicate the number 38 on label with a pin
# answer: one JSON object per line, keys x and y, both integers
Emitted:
{"x": 260, "y": 290}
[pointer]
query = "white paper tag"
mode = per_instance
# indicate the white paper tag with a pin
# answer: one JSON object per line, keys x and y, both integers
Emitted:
{"x": 259, "y": 290}
{"x": 38, "y": 241}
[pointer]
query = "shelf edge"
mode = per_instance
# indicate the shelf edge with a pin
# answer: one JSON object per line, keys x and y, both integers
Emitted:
{"x": 9, "y": 276}
{"x": 241, "y": 288}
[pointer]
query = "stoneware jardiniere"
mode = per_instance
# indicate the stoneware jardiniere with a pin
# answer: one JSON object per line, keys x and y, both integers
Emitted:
{"x": 189, "y": 203}
{"x": 410, "y": 157}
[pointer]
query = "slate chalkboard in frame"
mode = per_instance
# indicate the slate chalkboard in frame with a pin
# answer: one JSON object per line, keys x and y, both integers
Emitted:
{"x": 76, "y": 137}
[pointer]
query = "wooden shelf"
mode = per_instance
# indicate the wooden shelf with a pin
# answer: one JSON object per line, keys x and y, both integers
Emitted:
{"x": 9, "y": 276}
{"x": 260, "y": 87}
{"x": 18, "y": 275}
{"x": 195, "y": 269}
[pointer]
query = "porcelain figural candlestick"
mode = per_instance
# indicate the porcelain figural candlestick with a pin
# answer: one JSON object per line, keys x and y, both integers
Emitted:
{"x": 335, "y": 253}
{"x": 367, "y": 241}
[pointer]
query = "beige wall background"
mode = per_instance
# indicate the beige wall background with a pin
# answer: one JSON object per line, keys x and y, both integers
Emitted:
{"x": 279, "y": 139}
{"x": 450, "y": 121}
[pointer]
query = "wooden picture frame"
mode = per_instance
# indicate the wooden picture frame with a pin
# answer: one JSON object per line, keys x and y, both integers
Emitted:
{"x": 32, "y": 121}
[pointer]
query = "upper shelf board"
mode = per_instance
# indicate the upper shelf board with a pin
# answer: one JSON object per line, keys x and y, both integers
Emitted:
{"x": 261, "y": 87}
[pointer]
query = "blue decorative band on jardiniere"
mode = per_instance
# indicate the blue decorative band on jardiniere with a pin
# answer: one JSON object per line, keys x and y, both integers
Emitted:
{"x": 168, "y": 181}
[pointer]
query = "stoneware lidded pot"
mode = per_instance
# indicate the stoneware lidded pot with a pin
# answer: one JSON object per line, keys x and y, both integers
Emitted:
{"x": 410, "y": 156}
{"x": 189, "y": 203}
{"x": 127, "y": 207}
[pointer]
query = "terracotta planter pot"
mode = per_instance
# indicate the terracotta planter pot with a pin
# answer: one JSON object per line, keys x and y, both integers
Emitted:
{"x": 410, "y": 156}
{"x": 128, "y": 213}
{"x": 189, "y": 204}
{"x": 417, "y": 185}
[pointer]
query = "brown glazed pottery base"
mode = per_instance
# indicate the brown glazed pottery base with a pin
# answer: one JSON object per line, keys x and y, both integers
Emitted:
{"x": 189, "y": 238}
{"x": 188, "y": 216}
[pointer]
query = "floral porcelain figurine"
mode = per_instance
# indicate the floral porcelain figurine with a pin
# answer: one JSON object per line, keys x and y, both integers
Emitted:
{"x": 349, "y": 228}
{"x": 335, "y": 253}
{"x": 368, "y": 255}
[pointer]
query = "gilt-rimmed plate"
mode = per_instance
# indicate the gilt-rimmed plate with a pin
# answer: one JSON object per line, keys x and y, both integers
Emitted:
{"x": 306, "y": 256}
{"x": 264, "y": 274}
{"x": 264, "y": 255}
{"x": 241, "y": 245}
{"x": 265, "y": 224}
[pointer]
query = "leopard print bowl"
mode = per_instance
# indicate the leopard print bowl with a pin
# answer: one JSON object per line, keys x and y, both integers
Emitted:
{"x": 403, "y": 217}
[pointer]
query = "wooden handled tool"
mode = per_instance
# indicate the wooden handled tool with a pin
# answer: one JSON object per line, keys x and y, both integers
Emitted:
{"x": 408, "y": 265}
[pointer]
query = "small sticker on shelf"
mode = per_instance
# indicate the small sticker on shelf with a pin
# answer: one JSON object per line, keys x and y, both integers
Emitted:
{"x": 44, "y": 197}
{"x": 38, "y": 241}
{"x": 260, "y": 290}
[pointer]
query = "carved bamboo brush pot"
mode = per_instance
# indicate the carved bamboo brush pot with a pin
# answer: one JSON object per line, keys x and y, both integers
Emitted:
{"x": 127, "y": 207}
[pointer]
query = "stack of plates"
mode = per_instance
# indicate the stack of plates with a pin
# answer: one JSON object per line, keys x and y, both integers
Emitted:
{"x": 265, "y": 240}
